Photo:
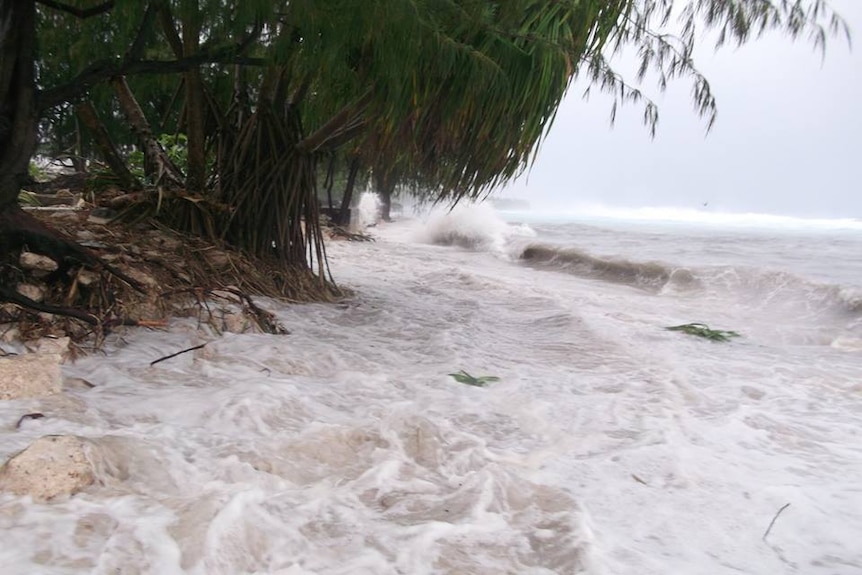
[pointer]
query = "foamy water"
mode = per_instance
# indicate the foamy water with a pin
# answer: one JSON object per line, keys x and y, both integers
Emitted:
{"x": 609, "y": 445}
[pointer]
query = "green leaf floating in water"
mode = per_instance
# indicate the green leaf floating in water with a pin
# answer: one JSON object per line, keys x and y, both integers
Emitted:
{"x": 704, "y": 331}
{"x": 467, "y": 379}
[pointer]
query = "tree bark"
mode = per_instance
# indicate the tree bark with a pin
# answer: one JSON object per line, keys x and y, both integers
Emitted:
{"x": 385, "y": 184}
{"x": 347, "y": 198}
{"x": 154, "y": 155}
{"x": 18, "y": 117}
{"x": 87, "y": 113}
{"x": 196, "y": 103}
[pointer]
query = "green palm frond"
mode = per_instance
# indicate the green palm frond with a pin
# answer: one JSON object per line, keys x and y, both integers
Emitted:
{"x": 704, "y": 331}
{"x": 467, "y": 379}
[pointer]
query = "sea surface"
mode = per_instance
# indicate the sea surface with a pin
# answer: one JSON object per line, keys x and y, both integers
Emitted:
{"x": 609, "y": 445}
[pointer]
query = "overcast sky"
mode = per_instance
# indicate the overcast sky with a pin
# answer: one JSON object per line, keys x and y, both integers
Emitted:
{"x": 788, "y": 138}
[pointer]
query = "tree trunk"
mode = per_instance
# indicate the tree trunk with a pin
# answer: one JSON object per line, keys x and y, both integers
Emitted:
{"x": 330, "y": 180}
{"x": 195, "y": 104}
{"x": 79, "y": 162}
{"x": 87, "y": 113}
{"x": 385, "y": 184}
{"x": 154, "y": 155}
{"x": 18, "y": 117}
{"x": 18, "y": 138}
{"x": 347, "y": 198}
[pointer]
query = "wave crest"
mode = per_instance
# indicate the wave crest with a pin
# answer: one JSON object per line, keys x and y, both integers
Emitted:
{"x": 471, "y": 226}
{"x": 647, "y": 275}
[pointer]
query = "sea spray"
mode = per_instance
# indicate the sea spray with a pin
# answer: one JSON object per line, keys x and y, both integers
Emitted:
{"x": 687, "y": 218}
{"x": 472, "y": 226}
{"x": 367, "y": 211}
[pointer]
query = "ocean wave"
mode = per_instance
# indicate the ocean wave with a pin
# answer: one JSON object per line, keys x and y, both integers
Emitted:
{"x": 769, "y": 287}
{"x": 648, "y": 275}
{"x": 471, "y": 226}
{"x": 782, "y": 288}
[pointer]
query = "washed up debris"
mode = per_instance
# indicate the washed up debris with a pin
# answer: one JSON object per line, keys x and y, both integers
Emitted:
{"x": 27, "y": 416}
{"x": 188, "y": 349}
{"x": 341, "y": 233}
{"x": 467, "y": 379}
{"x": 704, "y": 331}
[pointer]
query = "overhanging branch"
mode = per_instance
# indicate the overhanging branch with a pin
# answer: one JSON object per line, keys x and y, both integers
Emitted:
{"x": 104, "y": 69}
{"x": 136, "y": 50}
{"x": 82, "y": 13}
{"x": 131, "y": 65}
{"x": 346, "y": 121}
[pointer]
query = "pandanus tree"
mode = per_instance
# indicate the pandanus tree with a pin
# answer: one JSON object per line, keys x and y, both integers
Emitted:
{"x": 42, "y": 69}
{"x": 453, "y": 94}
{"x": 473, "y": 117}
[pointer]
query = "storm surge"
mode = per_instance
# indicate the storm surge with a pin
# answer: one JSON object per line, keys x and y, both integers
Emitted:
{"x": 601, "y": 442}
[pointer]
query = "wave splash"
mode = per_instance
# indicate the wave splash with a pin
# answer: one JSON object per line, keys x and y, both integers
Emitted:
{"x": 472, "y": 226}
{"x": 479, "y": 227}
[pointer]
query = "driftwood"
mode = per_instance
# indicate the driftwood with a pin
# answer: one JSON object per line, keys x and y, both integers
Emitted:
{"x": 188, "y": 349}
{"x": 27, "y": 416}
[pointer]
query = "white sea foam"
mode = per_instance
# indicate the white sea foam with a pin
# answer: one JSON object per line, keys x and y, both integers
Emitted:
{"x": 608, "y": 446}
{"x": 689, "y": 217}
{"x": 469, "y": 225}
{"x": 367, "y": 210}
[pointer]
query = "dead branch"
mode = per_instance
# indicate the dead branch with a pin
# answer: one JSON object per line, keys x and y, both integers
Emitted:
{"x": 161, "y": 359}
{"x": 28, "y": 416}
{"x": 771, "y": 523}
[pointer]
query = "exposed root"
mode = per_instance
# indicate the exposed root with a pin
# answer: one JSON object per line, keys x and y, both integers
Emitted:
{"x": 19, "y": 230}
{"x": 102, "y": 276}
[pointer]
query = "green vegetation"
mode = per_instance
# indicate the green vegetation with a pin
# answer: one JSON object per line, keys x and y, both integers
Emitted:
{"x": 28, "y": 199}
{"x": 37, "y": 172}
{"x": 467, "y": 379}
{"x": 704, "y": 331}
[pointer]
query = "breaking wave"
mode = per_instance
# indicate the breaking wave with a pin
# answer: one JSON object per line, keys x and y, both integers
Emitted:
{"x": 478, "y": 227}
{"x": 768, "y": 286}
{"x": 774, "y": 287}
{"x": 472, "y": 226}
{"x": 647, "y": 275}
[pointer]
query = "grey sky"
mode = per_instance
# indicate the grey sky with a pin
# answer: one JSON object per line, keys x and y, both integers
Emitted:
{"x": 788, "y": 139}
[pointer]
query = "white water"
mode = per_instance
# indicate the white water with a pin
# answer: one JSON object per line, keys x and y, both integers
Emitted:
{"x": 609, "y": 446}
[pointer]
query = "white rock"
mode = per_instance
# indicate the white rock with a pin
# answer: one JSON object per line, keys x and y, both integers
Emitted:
{"x": 87, "y": 278}
{"x": 49, "y": 467}
{"x": 9, "y": 333}
{"x": 31, "y": 261}
{"x": 51, "y": 345}
{"x": 35, "y": 293}
{"x": 235, "y": 322}
{"x": 30, "y": 375}
{"x": 141, "y": 277}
